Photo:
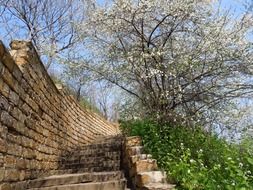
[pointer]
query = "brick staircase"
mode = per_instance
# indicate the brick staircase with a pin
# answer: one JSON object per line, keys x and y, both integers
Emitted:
{"x": 96, "y": 166}
{"x": 100, "y": 165}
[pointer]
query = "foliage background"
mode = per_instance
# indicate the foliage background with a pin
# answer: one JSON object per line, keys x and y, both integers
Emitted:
{"x": 195, "y": 159}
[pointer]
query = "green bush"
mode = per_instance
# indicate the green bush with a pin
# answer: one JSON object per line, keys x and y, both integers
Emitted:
{"x": 194, "y": 159}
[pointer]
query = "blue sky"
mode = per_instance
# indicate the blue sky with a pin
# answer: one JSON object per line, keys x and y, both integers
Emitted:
{"x": 235, "y": 5}
{"x": 232, "y": 4}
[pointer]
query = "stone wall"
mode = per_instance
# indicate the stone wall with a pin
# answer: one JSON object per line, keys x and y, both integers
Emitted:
{"x": 38, "y": 122}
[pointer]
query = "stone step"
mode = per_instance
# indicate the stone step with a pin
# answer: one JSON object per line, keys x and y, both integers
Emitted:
{"x": 134, "y": 150}
{"x": 104, "y": 146}
{"x": 102, "y": 163}
{"x": 157, "y": 186}
{"x": 138, "y": 157}
{"x": 65, "y": 179}
{"x": 109, "y": 146}
{"x": 91, "y": 155}
{"x": 89, "y": 163}
{"x": 79, "y": 169}
{"x": 108, "y": 139}
{"x": 84, "y": 159}
{"x": 82, "y": 170}
{"x": 109, "y": 185}
{"x": 133, "y": 141}
{"x": 102, "y": 151}
{"x": 144, "y": 178}
{"x": 143, "y": 166}
{"x": 109, "y": 143}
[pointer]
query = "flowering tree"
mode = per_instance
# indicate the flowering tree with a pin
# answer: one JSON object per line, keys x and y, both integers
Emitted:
{"x": 179, "y": 58}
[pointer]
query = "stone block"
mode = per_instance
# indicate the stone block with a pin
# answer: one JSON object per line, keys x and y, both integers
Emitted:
{"x": 1, "y": 174}
{"x": 138, "y": 157}
{"x": 17, "y": 73}
{"x": 158, "y": 186}
{"x": 133, "y": 141}
{"x": 8, "y": 61}
{"x": 21, "y": 57}
{"x": 6, "y": 119}
{"x": 4, "y": 104}
{"x": 21, "y": 164}
{"x": 1, "y": 160}
{"x": 135, "y": 150}
{"x": 4, "y": 88}
{"x": 22, "y": 175}
{"x": 21, "y": 44}
{"x": 5, "y": 186}
{"x": 3, "y": 145}
{"x": 14, "y": 98}
{"x": 8, "y": 78}
{"x": 9, "y": 161}
{"x": 16, "y": 113}
{"x": 20, "y": 185}
{"x": 145, "y": 165}
{"x": 1, "y": 68}
{"x": 2, "y": 50}
{"x": 14, "y": 149}
{"x": 142, "y": 166}
{"x": 11, "y": 175}
{"x": 20, "y": 127}
{"x": 3, "y": 132}
{"x": 145, "y": 178}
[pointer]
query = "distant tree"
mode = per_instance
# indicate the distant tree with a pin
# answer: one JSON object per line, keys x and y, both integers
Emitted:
{"x": 92, "y": 88}
{"x": 49, "y": 24}
{"x": 183, "y": 60}
{"x": 77, "y": 77}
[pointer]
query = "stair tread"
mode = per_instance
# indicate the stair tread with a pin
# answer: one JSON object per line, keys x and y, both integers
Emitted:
{"x": 65, "y": 179}
{"x": 80, "y": 174}
{"x": 80, "y": 186}
{"x": 159, "y": 186}
{"x": 86, "y": 170}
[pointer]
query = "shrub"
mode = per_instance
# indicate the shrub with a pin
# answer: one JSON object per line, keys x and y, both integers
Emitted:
{"x": 194, "y": 159}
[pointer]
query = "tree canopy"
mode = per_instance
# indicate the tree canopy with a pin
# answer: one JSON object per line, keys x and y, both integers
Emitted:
{"x": 182, "y": 59}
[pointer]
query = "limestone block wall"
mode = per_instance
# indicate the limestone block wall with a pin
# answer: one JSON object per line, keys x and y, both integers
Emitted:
{"x": 38, "y": 123}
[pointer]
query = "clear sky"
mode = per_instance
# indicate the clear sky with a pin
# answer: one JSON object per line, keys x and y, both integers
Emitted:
{"x": 234, "y": 5}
